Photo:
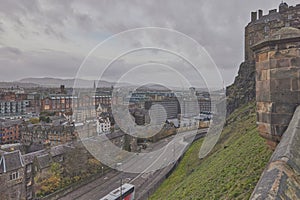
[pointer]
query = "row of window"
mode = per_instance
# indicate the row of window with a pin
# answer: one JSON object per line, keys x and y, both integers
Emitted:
{"x": 14, "y": 175}
{"x": 6, "y": 134}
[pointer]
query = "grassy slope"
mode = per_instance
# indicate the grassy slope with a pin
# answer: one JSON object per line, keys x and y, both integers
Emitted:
{"x": 231, "y": 171}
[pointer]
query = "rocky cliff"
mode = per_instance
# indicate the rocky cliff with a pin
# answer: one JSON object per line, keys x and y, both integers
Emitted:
{"x": 243, "y": 88}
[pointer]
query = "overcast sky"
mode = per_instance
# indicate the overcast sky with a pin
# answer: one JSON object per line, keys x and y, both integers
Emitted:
{"x": 40, "y": 38}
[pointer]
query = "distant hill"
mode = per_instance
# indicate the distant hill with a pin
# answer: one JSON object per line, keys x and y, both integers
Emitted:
{"x": 18, "y": 84}
{"x": 56, "y": 82}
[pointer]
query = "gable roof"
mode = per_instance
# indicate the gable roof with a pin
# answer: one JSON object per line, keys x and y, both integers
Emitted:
{"x": 29, "y": 158}
{"x": 57, "y": 150}
{"x": 44, "y": 161}
{"x": 11, "y": 161}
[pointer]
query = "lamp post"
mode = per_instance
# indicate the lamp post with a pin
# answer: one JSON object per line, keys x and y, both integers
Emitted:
{"x": 121, "y": 181}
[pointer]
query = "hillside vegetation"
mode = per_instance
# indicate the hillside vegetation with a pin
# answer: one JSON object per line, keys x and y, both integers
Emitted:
{"x": 232, "y": 169}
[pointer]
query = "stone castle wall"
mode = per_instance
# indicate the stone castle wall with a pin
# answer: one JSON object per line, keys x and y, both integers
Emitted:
{"x": 264, "y": 26}
{"x": 280, "y": 179}
{"x": 277, "y": 82}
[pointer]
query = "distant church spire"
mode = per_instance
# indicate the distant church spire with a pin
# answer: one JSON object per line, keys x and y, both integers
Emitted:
{"x": 94, "y": 85}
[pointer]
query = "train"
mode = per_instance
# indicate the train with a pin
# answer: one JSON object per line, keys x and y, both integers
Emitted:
{"x": 125, "y": 192}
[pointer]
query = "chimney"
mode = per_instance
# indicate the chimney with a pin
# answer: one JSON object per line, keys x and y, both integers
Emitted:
{"x": 272, "y": 11}
{"x": 62, "y": 89}
{"x": 253, "y": 16}
{"x": 260, "y": 14}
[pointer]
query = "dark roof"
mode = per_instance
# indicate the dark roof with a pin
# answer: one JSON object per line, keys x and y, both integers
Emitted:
{"x": 29, "y": 158}
{"x": 9, "y": 123}
{"x": 115, "y": 134}
{"x": 57, "y": 150}
{"x": 44, "y": 161}
{"x": 11, "y": 161}
{"x": 54, "y": 151}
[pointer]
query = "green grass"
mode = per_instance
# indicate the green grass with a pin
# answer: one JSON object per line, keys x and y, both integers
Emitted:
{"x": 230, "y": 171}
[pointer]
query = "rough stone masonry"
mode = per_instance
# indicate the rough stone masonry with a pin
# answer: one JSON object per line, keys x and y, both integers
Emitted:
{"x": 277, "y": 82}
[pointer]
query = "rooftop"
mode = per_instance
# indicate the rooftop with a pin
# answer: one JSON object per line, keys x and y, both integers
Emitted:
{"x": 10, "y": 161}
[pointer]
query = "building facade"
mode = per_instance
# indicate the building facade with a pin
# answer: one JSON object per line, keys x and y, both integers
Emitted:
{"x": 103, "y": 125}
{"x": 12, "y": 108}
{"x": 9, "y": 131}
{"x": 47, "y": 134}
{"x": 12, "y": 176}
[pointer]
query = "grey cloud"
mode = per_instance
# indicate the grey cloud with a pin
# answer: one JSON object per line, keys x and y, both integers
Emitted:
{"x": 15, "y": 64}
{"x": 217, "y": 25}
{"x": 9, "y": 52}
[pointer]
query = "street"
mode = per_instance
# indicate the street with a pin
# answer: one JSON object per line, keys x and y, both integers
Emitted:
{"x": 157, "y": 160}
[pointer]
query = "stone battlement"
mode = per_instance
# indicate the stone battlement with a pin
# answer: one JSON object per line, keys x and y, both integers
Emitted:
{"x": 263, "y": 26}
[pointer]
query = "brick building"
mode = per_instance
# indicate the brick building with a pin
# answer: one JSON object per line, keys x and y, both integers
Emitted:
{"x": 47, "y": 134}
{"x": 9, "y": 131}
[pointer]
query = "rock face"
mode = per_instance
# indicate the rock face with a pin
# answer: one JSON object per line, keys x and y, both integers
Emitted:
{"x": 243, "y": 88}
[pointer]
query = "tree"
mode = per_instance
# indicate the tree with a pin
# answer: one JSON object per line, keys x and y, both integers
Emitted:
{"x": 34, "y": 120}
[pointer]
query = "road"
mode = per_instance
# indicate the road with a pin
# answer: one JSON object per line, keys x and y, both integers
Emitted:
{"x": 155, "y": 162}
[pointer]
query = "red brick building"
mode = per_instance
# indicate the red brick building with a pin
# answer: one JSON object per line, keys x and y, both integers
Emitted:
{"x": 9, "y": 131}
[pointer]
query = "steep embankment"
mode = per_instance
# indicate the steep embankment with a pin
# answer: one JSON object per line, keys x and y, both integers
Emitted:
{"x": 231, "y": 171}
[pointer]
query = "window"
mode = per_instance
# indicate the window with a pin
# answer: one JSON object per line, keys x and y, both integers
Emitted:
{"x": 266, "y": 29}
{"x": 14, "y": 176}
{"x": 28, "y": 168}
{"x": 290, "y": 16}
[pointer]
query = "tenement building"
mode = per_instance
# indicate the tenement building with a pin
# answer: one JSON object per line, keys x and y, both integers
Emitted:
{"x": 9, "y": 131}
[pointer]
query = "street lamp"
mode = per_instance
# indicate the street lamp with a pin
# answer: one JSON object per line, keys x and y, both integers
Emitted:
{"x": 121, "y": 181}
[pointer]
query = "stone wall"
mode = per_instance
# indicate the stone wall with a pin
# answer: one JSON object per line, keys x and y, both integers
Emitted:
{"x": 277, "y": 82}
{"x": 281, "y": 180}
{"x": 264, "y": 26}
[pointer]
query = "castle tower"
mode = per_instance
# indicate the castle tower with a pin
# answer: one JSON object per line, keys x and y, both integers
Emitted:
{"x": 283, "y": 7}
{"x": 277, "y": 82}
{"x": 263, "y": 26}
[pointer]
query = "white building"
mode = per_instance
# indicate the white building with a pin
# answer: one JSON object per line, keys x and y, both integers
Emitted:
{"x": 103, "y": 125}
{"x": 13, "y": 107}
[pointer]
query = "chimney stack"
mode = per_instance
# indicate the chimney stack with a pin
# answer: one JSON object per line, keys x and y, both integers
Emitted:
{"x": 260, "y": 14}
{"x": 253, "y": 16}
{"x": 62, "y": 89}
